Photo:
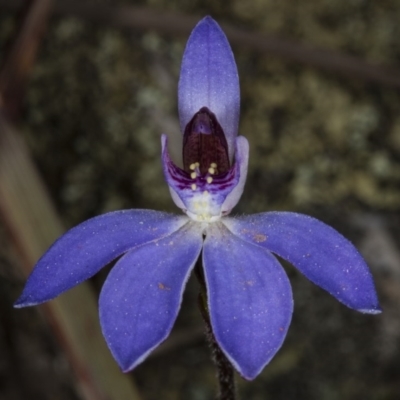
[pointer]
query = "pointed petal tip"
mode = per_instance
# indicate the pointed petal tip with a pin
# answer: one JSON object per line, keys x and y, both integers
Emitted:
{"x": 125, "y": 370}
{"x": 30, "y": 301}
{"x": 209, "y": 20}
{"x": 20, "y": 303}
{"x": 23, "y": 304}
{"x": 372, "y": 311}
{"x": 128, "y": 367}
{"x": 26, "y": 301}
{"x": 127, "y": 363}
{"x": 249, "y": 375}
{"x": 248, "y": 371}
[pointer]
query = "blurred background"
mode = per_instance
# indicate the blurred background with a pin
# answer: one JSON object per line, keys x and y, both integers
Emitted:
{"x": 320, "y": 107}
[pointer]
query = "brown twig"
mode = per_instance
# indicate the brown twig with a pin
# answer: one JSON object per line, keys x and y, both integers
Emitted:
{"x": 225, "y": 372}
{"x": 141, "y": 18}
{"x": 21, "y": 56}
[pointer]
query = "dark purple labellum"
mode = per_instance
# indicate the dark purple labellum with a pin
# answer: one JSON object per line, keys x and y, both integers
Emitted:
{"x": 205, "y": 145}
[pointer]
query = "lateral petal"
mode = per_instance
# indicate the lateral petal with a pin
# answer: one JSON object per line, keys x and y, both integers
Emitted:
{"x": 142, "y": 294}
{"x": 250, "y": 299}
{"x": 86, "y": 248}
{"x": 241, "y": 163}
{"x": 322, "y": 254}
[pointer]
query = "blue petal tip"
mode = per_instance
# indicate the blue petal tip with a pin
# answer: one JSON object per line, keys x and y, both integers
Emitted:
{"x": 372, "y": 311}
{"x": 22, "y": 302}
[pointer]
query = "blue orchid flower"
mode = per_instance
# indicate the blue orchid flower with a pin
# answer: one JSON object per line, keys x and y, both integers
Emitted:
{"x": 249, "y": 296}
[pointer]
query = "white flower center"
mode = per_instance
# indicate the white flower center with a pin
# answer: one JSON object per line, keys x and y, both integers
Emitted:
{"x": 203, "y": 207}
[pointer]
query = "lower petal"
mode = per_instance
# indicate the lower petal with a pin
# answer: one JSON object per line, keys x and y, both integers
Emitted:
{"x": 250, "y": 299}
{"x": 141, "y": 297}
{"x": 322, "y": 254}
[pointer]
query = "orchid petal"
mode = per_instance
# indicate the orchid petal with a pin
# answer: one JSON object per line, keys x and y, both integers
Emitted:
{"x": 85, "y": 249}
{"x": 209, "y": 78}
{"x": 322, "y": 254}
{"x": 242, "y": 161}
{"x": 250, "y": 299}
{"x": 142, "y": 295}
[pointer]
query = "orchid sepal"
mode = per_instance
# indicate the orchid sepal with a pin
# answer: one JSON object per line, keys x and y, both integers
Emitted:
{"x": 83, "y": 250}
{"x": 209, "y": 78}
{"x": 317, "y": 250}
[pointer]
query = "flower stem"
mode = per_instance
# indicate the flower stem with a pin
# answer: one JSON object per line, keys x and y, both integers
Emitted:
{"x": 225, "y": 372}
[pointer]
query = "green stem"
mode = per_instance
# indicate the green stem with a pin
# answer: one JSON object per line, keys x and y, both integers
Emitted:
{"x": 225, "y": 372}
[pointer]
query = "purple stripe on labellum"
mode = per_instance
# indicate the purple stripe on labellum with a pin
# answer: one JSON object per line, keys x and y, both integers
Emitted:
{"x": 199, "y": 192}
